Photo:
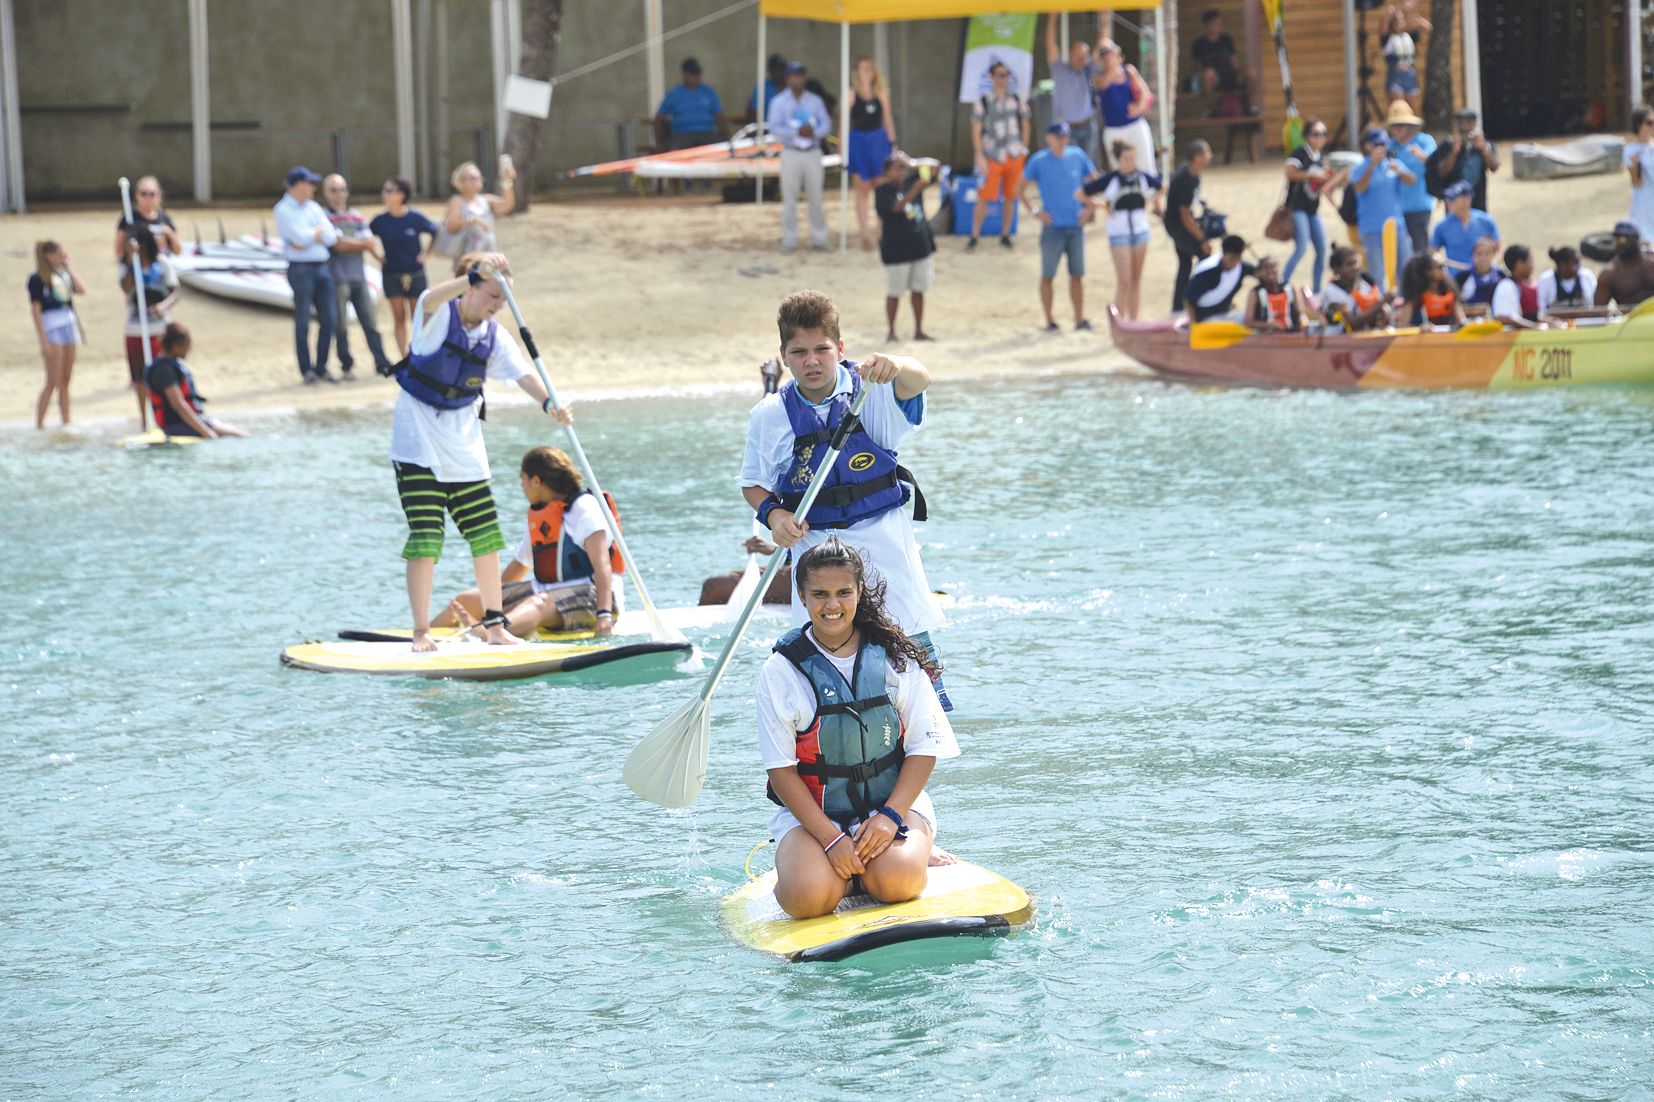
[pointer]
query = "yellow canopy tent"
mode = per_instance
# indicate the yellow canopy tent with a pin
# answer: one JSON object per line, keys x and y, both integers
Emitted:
{"x": 846, "y": 12}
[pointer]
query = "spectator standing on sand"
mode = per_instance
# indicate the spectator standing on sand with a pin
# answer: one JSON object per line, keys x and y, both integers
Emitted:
{"x": 52, "y": 287}
{"x": 1181, "y": 224}
{"x": 1466, "y": 155}
{"x": 1378, "y": 181}
{"x": 1059, "y": 171}
{"x": 1308, "y": 178}
{"x": 350, "y": 279}
{"x": 1412, "y": 147}
{"x": 149, "y": 219}
{"x": 1638, "y": 159}
{"x": 306, "y": 236}
{"x": 468, "y": 223}
{"x": 1122, "y": 102}
{"x": 1128, "y": 193}
{"x": 800, "y": 120}
{"x": 999, "y": 135}
{"x": 905, "y": 245}
{"x": 1402, "y": 22}
{"x": 1072, "y": 101}
{"x": 400, "y": 229}
{"x": 872, "y": 136}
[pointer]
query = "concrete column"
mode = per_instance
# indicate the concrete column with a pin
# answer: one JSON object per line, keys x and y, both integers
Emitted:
{"x": 1352, "y": 91}
{"x": 653, "y": 29}
{"x": 844, "y": 138}
{"x": 1634, "y": 59}
{"x": 881, "y": 50}
{"x": 402, "y": 67}
{"x": 1471, "y": 40}
{"x": 499, "y": 52}
{"x": 200, "y": 102}
{"x": 1162, "y": 93}
{"x": 440, "y": 153}
{"x": 11, "y": 124}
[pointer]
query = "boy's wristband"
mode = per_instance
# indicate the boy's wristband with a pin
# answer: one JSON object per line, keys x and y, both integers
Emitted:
{"x": 766, "y": 507}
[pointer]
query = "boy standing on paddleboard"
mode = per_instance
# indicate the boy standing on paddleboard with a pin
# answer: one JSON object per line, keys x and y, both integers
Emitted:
{"x": 865, "y": 500}
{"x": 436, "y": 433}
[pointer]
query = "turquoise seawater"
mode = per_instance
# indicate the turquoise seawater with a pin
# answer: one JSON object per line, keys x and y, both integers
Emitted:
{"x": 1319, "y": 727}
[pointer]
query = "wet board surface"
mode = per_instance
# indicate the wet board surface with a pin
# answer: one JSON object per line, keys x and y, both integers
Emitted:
{"x": 960, "y": 899}
{"x": 631, "y": 622}
{"x": 155, "y": 438}
{"x": 476, "y": 661}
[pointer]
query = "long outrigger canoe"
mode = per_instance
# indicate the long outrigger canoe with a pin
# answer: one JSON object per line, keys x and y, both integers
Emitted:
{"x": 1482, "y": 355}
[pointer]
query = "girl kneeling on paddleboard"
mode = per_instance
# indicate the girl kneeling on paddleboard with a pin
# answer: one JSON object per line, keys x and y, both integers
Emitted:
{"x": 849, "y": 729}
{"x": 436, "y": 433}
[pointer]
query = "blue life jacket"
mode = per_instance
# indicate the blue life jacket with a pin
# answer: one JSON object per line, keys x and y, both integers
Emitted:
{"x": 865, "y": 481}
{"x": 451, "y": 377}
{"x": 850, "y": 755}
{"x": 1482, "y": 286}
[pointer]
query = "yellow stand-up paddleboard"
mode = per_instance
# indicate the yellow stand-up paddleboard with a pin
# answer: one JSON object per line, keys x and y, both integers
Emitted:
{"x": 155, "y": 438}
{"x": 477, "y": 661}
{"x": 958, "y": 899}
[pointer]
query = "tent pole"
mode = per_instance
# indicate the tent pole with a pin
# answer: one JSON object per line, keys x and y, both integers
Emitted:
{"x": 1163, "y": 92}
{"x": 1634, "y": 58}
{"x": 759, "y": 110}
{"x": 1471, "y": 42}
{"x": 1352, "y": 102}
{"x": 844, "y": 139}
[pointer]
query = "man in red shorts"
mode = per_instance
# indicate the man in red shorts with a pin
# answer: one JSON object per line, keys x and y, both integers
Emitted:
{"x": 999, "y": 131}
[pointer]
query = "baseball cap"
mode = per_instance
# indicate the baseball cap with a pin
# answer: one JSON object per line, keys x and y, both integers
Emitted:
{"x": 1060, "y": 128}
{"x": 1458, "y": 188}
{"x": 1626, "y": 229}
{"x": 1374, "y": 135}
{"x": 1465, "y": 113}
{"x": 796, "y": 67}
{"x": 299, "y": 172}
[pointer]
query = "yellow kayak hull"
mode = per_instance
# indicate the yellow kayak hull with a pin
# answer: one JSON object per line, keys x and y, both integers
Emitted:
{"x": 959, "y": 899}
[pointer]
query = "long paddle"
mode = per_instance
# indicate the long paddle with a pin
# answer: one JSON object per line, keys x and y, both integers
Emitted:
{"x": 138, "y": 298}
{"x": 668, "y": 766}
{"x": 661, "y": 631}
{"x": 1209, "y": 335}
{"x": 1292, "y": 131}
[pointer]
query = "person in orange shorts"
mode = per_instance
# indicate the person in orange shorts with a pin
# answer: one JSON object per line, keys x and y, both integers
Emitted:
{"x": 999, "y": 133}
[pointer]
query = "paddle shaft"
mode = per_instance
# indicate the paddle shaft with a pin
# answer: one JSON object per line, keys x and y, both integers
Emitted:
{"x": 661, "y": 631}
{"x": 835, "y": 445}
{"x": 137, "y": 275}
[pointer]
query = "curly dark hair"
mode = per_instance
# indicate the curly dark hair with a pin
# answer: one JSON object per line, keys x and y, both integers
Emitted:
{"x": 871, "y": 618}
{"x": 552, "y": 466}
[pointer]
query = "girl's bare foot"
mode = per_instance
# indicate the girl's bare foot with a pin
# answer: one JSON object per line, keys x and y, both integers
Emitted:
{"x": 422, "y": 642}
{"x": 940, "y": 856}
{"x": 498, "y": 636}
{"x": 920, "y": 335}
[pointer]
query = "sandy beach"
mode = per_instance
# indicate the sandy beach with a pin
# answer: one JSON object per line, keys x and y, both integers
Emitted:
{"x": 626, "y": 294}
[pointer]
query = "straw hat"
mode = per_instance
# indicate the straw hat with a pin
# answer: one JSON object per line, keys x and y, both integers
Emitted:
{"x": 1401, "y": 115}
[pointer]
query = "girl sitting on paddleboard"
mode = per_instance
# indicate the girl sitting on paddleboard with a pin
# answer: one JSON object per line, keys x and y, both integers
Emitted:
{"x": 436, "y": 433}
{"x": 849, "y": 729}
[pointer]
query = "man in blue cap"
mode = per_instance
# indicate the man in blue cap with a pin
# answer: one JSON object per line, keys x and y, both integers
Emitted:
{"x": 1457, "y": 233}
{"x": 306, "y": 234}
{"x": 1058, "y": 171}
{"x": 799, "y": 120}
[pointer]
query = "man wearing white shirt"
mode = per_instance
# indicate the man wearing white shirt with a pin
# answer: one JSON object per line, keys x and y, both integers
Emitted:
{"x": 306, "y": 236}
{"x": 799, "y": 119}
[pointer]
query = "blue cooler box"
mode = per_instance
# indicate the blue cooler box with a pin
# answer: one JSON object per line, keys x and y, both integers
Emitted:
{"x": 964, "y": 206}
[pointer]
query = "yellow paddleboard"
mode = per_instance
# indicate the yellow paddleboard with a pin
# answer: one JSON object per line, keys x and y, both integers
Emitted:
{"x": 477, "y": 661}
{"x": 959, "y": 899}
{"x": 154, "y": 438}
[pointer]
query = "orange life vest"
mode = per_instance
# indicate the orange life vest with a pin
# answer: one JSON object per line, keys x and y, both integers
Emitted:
{"x": 1438, "y": 307}
{"x": 1365, "y": 300}
{"x": 1277, "y": 306}
{"x": 557, "y": 559}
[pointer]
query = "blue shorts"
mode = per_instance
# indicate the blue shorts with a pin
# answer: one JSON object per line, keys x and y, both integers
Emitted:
{"x": 1057, "y": 241}
{"x": 1403, "y": 82}
{"x": 868, "y": 149}
{"x": 404, "y": 284}
{"x": 1122, "y": 240}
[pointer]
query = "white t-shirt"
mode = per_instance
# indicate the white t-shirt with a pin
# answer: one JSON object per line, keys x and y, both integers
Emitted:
{"x": 1548, "y": 292}
{"x": 1507, "y": 300}
{"x": 885, "y": 541}
{"x": 449, "y": 441}
{"x": 580, "y": 520}
{"x": 787, "y": 704}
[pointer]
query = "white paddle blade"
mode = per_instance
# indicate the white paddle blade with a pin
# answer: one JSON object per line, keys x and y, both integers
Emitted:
{"x": 669, "y": 765}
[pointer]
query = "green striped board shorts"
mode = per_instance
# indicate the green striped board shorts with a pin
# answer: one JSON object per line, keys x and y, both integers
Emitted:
{"x": 425, "y": 501}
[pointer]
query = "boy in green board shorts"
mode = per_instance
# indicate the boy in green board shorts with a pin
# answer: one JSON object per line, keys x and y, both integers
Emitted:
{"x": 437, "y": 448}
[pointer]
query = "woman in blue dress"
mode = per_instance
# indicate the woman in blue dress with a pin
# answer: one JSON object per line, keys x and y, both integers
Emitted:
{"x": 872, "y": 136}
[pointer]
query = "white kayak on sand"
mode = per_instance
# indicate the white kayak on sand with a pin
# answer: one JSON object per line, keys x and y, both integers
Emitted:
{"x": 251, "y": 270}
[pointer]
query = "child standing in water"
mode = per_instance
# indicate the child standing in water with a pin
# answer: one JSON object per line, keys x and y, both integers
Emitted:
{"x": 437, "y": 449}
{"x": 52, "y": 291}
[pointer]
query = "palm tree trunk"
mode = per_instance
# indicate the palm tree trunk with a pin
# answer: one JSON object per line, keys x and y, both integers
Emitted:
{"x": 1438, "y": 65}
{"x": 542, "y": 26}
